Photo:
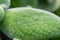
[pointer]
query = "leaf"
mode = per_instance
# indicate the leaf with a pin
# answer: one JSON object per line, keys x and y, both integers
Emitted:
{"x": 1, "y": 13}
{"x": 27, "y": 23}
{"x": 5, "y": 3}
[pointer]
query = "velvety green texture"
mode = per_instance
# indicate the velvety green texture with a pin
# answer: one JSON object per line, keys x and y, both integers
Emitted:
{"x": 49, "y": 5}
{"x": 5, "y": 3}
{"x": 30, "y": 24}
{"x": 1, "y": 13}
{"x": 22, "y": 3}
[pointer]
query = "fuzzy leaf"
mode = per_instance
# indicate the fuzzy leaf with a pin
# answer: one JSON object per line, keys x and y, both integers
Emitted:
{"x": 5, "y": 3}
{"x": 1, "y": 13}
{"x": 30, "y": 24}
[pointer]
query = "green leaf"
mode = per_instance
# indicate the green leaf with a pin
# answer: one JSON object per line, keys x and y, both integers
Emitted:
{"x": 16, "y": 39}
{"x": 1, "y": 13}
{"x": 5, "y": 3}
{"x": 27, "y": 23}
